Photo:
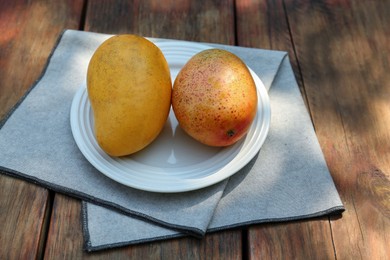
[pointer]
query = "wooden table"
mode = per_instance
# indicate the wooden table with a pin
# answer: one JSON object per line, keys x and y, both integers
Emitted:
{"x": 340, "y": 51}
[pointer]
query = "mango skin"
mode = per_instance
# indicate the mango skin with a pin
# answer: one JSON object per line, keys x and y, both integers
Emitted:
{"x": 129, "y": 87}
{"x": 214, "y": 98}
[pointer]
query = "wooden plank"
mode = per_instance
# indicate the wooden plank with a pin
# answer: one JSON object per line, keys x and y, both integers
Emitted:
{"x": 22, "y": 216}
{"x": 65, "y": 222}
{"x": 343, "y": 48}
{"x": 309, "y": 239}
{"x": 65, "y": 241}
{"x": 28, "y": 32}
{"x": 207, "y": 21}
{"x": 210, "y": 21}
{"x": 263, "y": 24}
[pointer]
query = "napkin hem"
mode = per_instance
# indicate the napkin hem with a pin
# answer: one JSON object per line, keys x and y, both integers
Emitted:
{"x": 328, "y": 212}
{"x": 194, "y": 232}
{"x": 90, "y": 248}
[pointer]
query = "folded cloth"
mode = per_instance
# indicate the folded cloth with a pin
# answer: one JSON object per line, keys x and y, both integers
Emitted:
{"x": 287, "y": 180}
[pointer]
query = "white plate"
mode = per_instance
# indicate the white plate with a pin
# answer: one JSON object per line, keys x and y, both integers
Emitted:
{"x": 174, "y": 162}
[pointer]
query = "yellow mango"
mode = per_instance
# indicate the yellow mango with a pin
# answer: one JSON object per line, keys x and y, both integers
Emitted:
{"x": 129, "y": 87}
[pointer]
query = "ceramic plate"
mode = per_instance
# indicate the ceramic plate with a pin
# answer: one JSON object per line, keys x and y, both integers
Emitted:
{"x": 174, "y": 162}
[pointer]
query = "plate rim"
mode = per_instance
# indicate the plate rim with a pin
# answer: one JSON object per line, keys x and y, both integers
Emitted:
{"x": 207, "y": 180}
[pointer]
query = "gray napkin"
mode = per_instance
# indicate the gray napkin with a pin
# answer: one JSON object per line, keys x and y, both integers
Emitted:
{"x": 287, "y": 180}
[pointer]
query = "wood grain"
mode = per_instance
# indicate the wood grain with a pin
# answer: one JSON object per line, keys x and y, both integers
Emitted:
{"x": 263, "y": 24}
{"x": 205, "y": 21}
{"x": 28, "y": 32}
{"x": 310, "y": 239}
{"x": 343, "y": 48}
{"x": 65, "y": 241}
{"x": 23, "y": 209}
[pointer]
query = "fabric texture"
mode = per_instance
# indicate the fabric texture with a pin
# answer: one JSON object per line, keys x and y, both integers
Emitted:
{"x": 288, "y": 179}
